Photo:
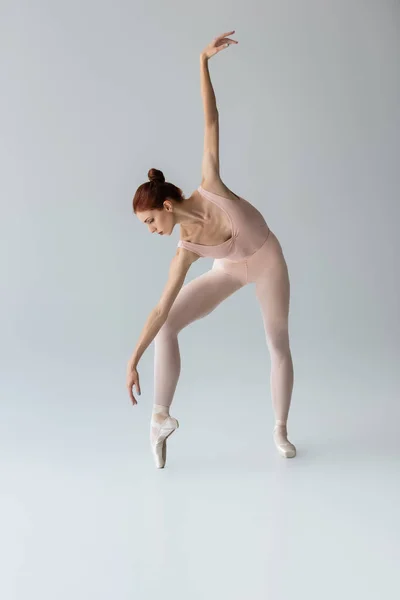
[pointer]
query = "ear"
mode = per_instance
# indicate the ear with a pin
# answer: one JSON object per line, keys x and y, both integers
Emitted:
{"x": 168, "y": 205}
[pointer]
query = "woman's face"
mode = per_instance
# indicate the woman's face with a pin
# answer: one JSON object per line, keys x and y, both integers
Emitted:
{"x": 158, "y": 221}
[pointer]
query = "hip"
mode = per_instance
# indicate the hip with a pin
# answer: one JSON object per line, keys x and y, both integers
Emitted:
{"x": 268, "y": 257}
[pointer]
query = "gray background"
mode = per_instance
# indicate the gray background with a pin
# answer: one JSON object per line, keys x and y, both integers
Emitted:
{"x": 93, "y": 95}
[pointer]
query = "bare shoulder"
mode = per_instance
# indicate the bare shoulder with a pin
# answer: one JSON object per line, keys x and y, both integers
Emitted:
{"x": 217, "y": 186}
{"x": 184, "y": 256}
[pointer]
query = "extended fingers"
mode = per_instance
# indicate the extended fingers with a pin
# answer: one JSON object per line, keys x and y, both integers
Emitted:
{"x": 224, "y": 34}
{"x": 222, "y": 44}
{"x": 134, "y": 401}
{"x": 136, "y": 382}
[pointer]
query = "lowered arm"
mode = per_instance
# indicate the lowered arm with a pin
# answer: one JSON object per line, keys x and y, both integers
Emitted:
{"x": 179, "y": 267}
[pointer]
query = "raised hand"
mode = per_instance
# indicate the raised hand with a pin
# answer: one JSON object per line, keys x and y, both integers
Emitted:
{"x": 219, "y": 43}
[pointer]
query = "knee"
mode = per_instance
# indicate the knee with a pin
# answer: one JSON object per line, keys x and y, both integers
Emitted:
{"x": 168, "y": 330}
{"x": 278, "y": 343}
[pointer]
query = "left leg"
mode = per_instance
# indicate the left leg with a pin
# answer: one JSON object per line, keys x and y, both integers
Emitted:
{"x": 273, "y": 293}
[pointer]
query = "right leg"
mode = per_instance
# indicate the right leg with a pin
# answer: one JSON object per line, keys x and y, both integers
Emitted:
{"x": 195, "y": 300}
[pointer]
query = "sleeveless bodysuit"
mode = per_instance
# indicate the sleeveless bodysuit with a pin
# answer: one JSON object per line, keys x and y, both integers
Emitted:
{"x": 249, "y": 230}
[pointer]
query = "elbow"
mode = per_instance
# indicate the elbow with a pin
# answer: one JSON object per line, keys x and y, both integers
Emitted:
{"x": 161, "y": 312}
{"x": 213, "y": 118}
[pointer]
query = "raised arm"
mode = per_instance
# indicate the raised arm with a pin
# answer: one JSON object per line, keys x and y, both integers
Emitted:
{"x": 210, "y": 163}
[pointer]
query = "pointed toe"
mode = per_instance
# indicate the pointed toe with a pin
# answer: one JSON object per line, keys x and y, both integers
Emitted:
{"x": 159, "y": 435}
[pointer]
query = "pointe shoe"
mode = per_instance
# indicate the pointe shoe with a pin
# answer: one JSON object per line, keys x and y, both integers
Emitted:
{"x": 284, "y": 447}
{"x": 160, "y": 432}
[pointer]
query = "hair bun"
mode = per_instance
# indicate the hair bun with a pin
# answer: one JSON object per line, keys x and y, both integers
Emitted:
{"x": 156, "y": 175}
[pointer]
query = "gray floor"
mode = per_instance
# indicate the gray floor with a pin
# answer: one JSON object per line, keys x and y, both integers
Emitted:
{"x": 85, "y": 515}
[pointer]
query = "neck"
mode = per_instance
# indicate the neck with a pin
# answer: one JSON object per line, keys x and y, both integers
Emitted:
{"x": 189, "y": 212}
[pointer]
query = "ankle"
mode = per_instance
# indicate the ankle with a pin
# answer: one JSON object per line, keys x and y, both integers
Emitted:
{"x": 160, "y": 413}
{"x": 159, "y": 409}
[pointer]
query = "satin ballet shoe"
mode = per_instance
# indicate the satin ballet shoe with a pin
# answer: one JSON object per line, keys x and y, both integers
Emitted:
{"x": 159, "y": 434}
{"x": 284, "y": 447}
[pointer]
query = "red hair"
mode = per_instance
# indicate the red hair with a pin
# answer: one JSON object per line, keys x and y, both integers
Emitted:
{"x": 151, "y": 195}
